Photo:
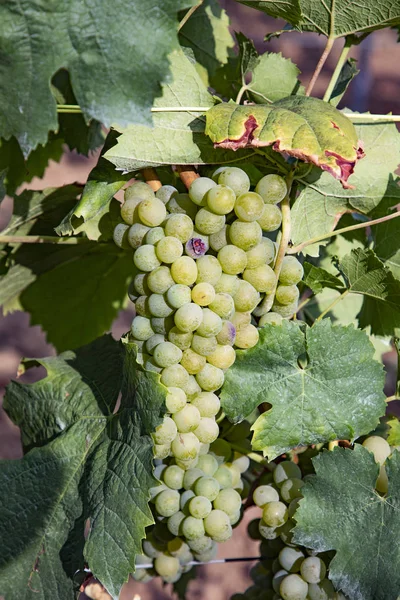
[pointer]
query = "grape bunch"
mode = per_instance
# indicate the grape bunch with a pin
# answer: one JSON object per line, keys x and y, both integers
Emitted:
{"x": 286, "y": 571}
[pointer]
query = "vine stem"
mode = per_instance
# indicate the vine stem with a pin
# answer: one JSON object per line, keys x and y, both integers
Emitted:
{"x": 41, "y": 239}
{"x": 187, "y": 174}
{"x": 299, "y": 247}
{"x": 189, "y": 14}
{"x": 338, "y": 69}
{"x": 328, "y": 47}
{"x": 392, "y": 398}
{"x": 152, "y": 178}
{"x": 336, "y": 301}
{"x": 242, "y": 90}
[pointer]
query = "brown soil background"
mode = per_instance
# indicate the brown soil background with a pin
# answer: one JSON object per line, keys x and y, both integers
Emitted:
{"x": 376, "y": 89}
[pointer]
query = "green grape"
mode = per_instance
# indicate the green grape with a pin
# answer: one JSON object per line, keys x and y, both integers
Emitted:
{"x": 207, "y": 403}
{"x": 262, "y": 254}
{"x": 166, "y": 192}
{"x": 145, "y": 258}
{"x": 167, "y": 354}
{"x": 234, "y": 178}
{"x": 186, "y": 496}
{"x": 203, "y": 294}
{"x": 197, "y": 245}
{"x": 227, "y": 284}
{"x": 166, "y": 432}
{"x": 166, "y": 566}
{"x": 217, "y": 526}
{"x": 184, "y": 270}
{"x": 154, "y": 235}
{"x": 247, "y": 337}
{"x": 199, "y": 188}
{"x": 152, "y": 342}
{"x": 271, "y": 318}
{"x": 262, "y": 278}
{"x": 160, "y": 280}
{"x": 161, "y": 451}
{"x": 192, "y": 362}
{"x": 285, "y": 310}
{"x": 272, "y": 188}
{"x": 158, "y": 306}
{"x": 291, "y": 271}
{"x": 224, "y": 477}
{"x": 246, "y": 298}
{"x": 379, "y": 448}
{"x": 264, "y": 494}
{"x": 142, "y": 306}
{"x": 202, "y": 345}
{"x": 179, "y": 226}
{"x": 136, "y": 234}
{"x": 232, "y": 259}
{"x": 150, "y": 364}
{"x": 235, "y": 518}
{"x": 207, "y": 486}
{"x": 245, "y": 235}
{"x": 175, "y": 399}
{"x": 167, "y": 502}
{"x": 190, "y": 478}
{"x": 207, "y": 431}
{"x": 129, "y": 211}
{"x": 185, "y": 446}
{"x": 287, "y": 294}
{"x": 192, "y": 388}
{"x": 182, "y": 204}
{"x": 223, "y": 356}
{"x": 271, "y": 218}
{"x": 200, "y": 545}
{"x": 217, "y": 173}
{"x": 221, "y": 199}
{"x": 173, "y": 477}
{"x": 140, "y": 284}
{"x": 278, "y": 578}
{"x": 200, "y": 507}
{"x": 188, "y": 317}
{"x": 313, "y": 569}
{"x": 249, "y": 206}
{"x": 178, "y": 295}
{"x": 275, "y": 514}
{"x": 208, "y": 464}
{"x": 169, "y": 249}
{"x": 210, "y": 378}
{"x": 192, "y": 528}
{"x": 229, "y": 501}
{"x": 321, "y": 591}
{"x": 240, "y": 320}
{"x": 286, "y": 470}
{"x": 207, "y": 222}
{"x": 151, "y": 547}
{"x": 152, "y": 212}
{"x": 267, "y": 532}
{"x": 220, "y": 239}
{"x": 174, "y": 376}
{"x": 227, "y": 335}
{"x": 241, "y": 462}
{"x": 291, "y": 559}
{"x": 211, "y": 323}
{"x": 187, "y": 419}
{"x": 208, "y": 555}
{"x": 291, "y": 489}
{"x": 180, "y": 338}
{"x": 209, "y": 269}
{"x": 293, "y": 587}
{"x": 138, "y": 189}
{"x": 141, "y": 328}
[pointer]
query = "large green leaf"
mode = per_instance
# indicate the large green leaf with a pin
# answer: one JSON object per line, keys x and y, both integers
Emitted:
{"x": 347, "y": 74}
{"x": 302, "y": 127}
{"x": 177, "y": 137}
{"x": 367, "y": 275}
{"x": 273, "y": 78}
{"x": 333, "y": 18}
{"x": 116, "y": 54}
{"x": 342, "y": 511}
{"x": 73, "y": 291}
{"x": 336, "y": 394}
{"x": 91, "y": 461}
{"x": 322, "y": 200}
{"x": 318, "y": 279}
{"x": 394, "y": 432}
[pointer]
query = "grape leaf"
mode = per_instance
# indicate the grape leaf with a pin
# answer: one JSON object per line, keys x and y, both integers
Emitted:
{"x": 334, "y": 18}
{"x": 342, "y": 511}
{"x": 55, "y": 281}
{"x": 116, "y": 54}
{"x": 347, "y": 74}
{"x": 367, "y": 275}
{"x": 273, "y": 78}
{"x": 386, "y": 237}
{"x": 338, "y": 394}
{"x": 318, "y": 279}
{"x": 322, "y": 200}
{"x": 302, "y": 127}
{"x": 177, "y": 138}
{"x": 394, "y": 432}
{"x": 90, "y": 462}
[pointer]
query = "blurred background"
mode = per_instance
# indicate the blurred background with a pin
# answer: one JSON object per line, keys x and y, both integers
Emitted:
{"x": 375, "y": 89}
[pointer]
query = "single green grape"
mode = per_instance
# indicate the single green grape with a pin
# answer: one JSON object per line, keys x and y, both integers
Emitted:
{"x": 241, "y": 320}
{"x": 210, "y": 378}
{"x": 184, "y": 270}
{"x": 174, "y": 522}
{"x": 249, "y": 207}
{"x": 136, "y": 234}
{"x": 208, "y": 222}
{"x": 227, "y": 335}
{"x": 173, "y": 477}
{"x": 192, "y": 362}
{"x": 207, "y": 403}
{"x": 221, "y": 199}
{"x": 185, "y": 446}
{"x": 178, "y": 295}
{"x": 293, "y": 587}
{"x": 160, "y": 280}
{"x": 224, "y": 477}
{"x": 262, "y": 278}
{"x": 154, "y": 235}
{"x": 179, "y": 226}
{"x": 187, "y": 419}
{"x": 145, "y": 258}
{"x": 166, "y": 432}
{"x": 161, "y": 451}
{"x": 141, "y": 328}
{"x": 223, "y": 357}
{"x": 291, "y": 271}
{"x": 166, "y": 566}
{"x": 245, "y": 235}
{"x": 139, "y": 189}
{"x": 140, "y": 284}
{"x": 223, "y": 305}
{"x": 313, "y": 569}
{"x": 174, "y": 376}
{"x": 207, "y": 430}
{"x": 236, "y": 179}
{"x": 285, "y": 310}
{"x": 229, "y": 501}
{"x": 175, "y": 400}
{"x": 271, "y": 218}
{"x": 200, "y": 507}
{"x": 203, "y": 293}
{"x": 272, "y": 188}
{"x": 208, "y": 464}
{"x": 275, "y": 514}
{"x": 192, "y": 528}
{"x": 287, "y": 294}
{"x": 152, "y": 342}
{"x": 220, "y": 239}
{"x": 217, "y": 525}
{"x": 188, "y": 317}
{"x": 246, "y": 298}
{"x": 323, "y": 590}
{"x": 262, "y": 254}
{"x": 209, "y": 269}
{"x": 211, "y": 323}
{"x": 202, "y": 544}
{"x": 291, "y": 559}
{"x": 286, "y": 470}
{"x": 264, "y": 494}
{"x": 199, "y": 189}
{"x": 232, "y": 259}
{"x": 158, "y": 306}
{"x": 166, "y": 192}
{"x": 241, "y": 461}
{"x": 167, "y": 354}
{"x": 227, "y": 284}
{"x": 271, "y": 318}
{"x": 207, "y": 486}
{"x": 202, "y": 345}
{"x": 169, "y": 249}
{"x": 291, "y": 489}
{"x": 152, "y": 212}
{"x": 180, "y": 338}
{"x": 142, "y": 306}
{"x": 129, "y": 211}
